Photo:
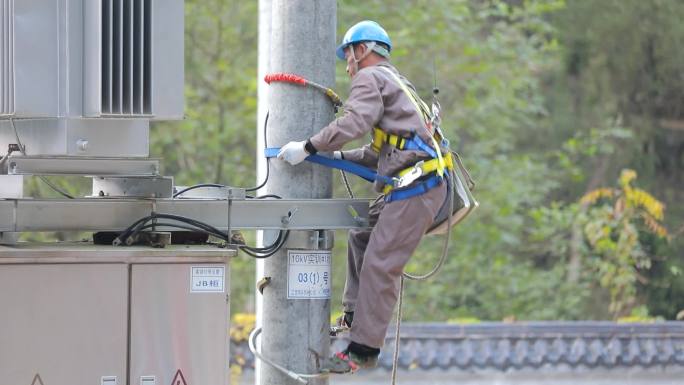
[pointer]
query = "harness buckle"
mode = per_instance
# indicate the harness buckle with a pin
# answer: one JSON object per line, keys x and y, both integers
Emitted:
{"x": 411, "y": 176}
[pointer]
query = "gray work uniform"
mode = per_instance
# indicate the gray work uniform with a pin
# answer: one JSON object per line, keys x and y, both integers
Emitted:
{"x": 377, "y": 256}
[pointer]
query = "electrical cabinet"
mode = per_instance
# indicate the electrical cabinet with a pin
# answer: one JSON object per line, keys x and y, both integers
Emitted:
{"x": 80, "y": 314}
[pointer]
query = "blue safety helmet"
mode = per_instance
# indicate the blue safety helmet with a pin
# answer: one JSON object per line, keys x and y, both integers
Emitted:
{"x": 363, "y": 31}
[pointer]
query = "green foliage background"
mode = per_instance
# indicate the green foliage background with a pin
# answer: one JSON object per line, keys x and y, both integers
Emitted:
{"x": 545, "y": 100}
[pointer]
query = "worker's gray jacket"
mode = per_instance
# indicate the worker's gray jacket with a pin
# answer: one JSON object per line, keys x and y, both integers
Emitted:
{"x": 375, "y": 100}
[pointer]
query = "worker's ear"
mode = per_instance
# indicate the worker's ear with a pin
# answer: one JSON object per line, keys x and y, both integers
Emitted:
{"x": 363, "y": 48}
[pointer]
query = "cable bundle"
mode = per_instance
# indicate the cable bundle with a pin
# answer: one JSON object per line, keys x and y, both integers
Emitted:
{"x": 127, "y": 237}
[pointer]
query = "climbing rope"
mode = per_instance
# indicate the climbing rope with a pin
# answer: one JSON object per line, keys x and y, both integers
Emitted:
{"x": 346, "y": 184}
{"x": 395, "y": 355}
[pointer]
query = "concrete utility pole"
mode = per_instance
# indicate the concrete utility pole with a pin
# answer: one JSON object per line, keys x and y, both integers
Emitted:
{"x": 296, "y": 306}
{"x": 264, "y": 57}
{"x": 264, "y": 48}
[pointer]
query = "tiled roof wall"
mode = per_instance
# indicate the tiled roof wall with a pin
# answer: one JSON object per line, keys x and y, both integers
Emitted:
{"x": 526, "y": 345}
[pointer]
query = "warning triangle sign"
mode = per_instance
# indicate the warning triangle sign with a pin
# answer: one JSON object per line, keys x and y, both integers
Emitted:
{"x": 178, "y": 379}
{"x": 37, "y": 380}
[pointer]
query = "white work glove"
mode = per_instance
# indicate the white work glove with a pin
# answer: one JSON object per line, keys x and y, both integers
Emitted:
{"x": 337, "y": 155}
{"x": 293, "y": 153}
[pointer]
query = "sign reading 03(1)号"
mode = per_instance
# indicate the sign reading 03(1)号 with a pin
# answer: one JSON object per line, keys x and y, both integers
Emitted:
{"x": 308, "y": 274}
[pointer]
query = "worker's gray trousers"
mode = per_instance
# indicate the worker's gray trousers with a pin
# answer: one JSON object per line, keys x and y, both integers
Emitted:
{"x": 376, "y": 260}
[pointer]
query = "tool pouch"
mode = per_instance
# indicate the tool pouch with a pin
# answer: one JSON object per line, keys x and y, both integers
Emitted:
{"x": 460, "y": 187}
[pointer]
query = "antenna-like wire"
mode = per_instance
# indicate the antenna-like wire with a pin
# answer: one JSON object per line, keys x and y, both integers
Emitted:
{"x": 435, "y": 89}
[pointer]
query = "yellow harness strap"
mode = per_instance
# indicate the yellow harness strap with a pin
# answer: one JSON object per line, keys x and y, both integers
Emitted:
{"x": 426, "y": 167}
{"x": 380, "y": 137}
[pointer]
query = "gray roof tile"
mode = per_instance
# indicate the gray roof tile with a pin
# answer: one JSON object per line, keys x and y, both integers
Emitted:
{"x": 505, "y": 346}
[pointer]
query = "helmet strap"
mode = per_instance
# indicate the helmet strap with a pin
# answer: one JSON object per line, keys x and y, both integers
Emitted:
{"x": 370, "y": 47}
{"x": 380, "y": 50}
{"x": 355, "y": 62}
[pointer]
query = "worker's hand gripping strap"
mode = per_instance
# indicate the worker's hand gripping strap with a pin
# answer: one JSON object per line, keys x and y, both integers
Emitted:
{"x": 423, "y": 110}
{"x": 340, "y": 164}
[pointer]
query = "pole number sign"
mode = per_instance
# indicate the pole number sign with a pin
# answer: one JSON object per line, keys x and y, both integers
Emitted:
{"x": 308, "y": 274}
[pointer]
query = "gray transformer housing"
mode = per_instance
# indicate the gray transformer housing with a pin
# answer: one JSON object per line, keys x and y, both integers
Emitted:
{"x": 89, "y": 71}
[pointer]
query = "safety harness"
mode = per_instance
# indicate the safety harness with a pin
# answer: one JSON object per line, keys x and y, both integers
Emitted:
{"x": 429, "y": 173}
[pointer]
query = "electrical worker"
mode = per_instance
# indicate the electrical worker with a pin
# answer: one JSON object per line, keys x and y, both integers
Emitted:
{"x": 380, "y": 106}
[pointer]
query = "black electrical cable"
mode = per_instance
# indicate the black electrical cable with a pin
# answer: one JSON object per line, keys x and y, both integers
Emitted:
{"x": 137, "y": 225}
{"x": 22, "y": 149}
{"x": 275, "y": 246}
{"x": 197, "y": 186}
{"x": 173, "y": 225}
{"x": 268, "y": 171}
{"x": 55, "y": 188}
{"x": 195, "y": 225}
{"x": 279, "y": 242}
{"x": 256, "y": 252}
{"x": 268, "y": 167}
{"x": 281, "y": 237}
{"x": 269, "y": 196}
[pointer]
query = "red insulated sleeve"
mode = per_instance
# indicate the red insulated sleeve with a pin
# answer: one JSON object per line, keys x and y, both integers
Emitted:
{"x": 283, "y": 77}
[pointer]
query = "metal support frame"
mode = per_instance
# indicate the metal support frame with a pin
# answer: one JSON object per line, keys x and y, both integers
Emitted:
{"x": 11, "y": 186}
{"x": 76, "y": 252}
{"x": 135, "y": 187}
{"x": 227, "y": 192}
{"x": 93, "y": 214}
{"x": 86, "y": 166}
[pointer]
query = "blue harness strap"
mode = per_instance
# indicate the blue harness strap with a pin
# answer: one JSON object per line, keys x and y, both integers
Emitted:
{"x": 340, "y": 164}
{"x": 416, "y": 143}
{"x": 369, "y": 175}
{"x": 415, "y": 190}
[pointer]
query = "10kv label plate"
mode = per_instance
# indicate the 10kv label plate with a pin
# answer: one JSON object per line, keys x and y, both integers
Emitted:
{"x": 308, "y": 274}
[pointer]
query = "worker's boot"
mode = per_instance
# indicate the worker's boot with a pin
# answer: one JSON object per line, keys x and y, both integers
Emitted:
{"x": 355, "y": 357}
{"x": 343, "y": 323}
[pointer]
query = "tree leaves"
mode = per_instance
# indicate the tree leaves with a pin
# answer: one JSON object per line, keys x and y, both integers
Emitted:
{"x": 545, "y": 100}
